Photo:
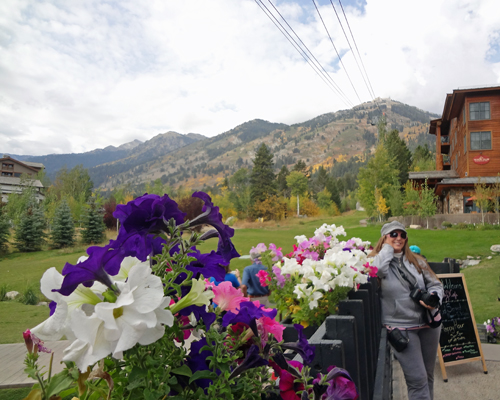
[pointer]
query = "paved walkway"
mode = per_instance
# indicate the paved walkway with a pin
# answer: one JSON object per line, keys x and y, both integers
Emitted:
{"x": 465, "y": 381}
{"x": 12, "y": 363}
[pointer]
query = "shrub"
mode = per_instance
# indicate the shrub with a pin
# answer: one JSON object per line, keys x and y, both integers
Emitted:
{"x": 446, "y": 224}
{"x": 30, "y": 296}
{"x": 460, "y": 225}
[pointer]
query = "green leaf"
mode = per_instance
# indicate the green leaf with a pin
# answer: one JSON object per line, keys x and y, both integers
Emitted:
{"x": 183, "y": 370}
{"x": 137, "y": 374}
{"x": 58, "y": 383}
{"x": 206, "y": 374}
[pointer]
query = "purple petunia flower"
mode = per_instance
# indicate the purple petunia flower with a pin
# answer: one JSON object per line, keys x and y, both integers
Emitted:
{"x": 149, "y": 213}
{"x": 87, "y": 272}
{"x": 200, "y": 312}
{"x": 279, "y": 277}
{"x": 197, "y": 361}
{"x": 252, "y": 360}
{"x": 341, "y": 385}
{"x": 211, "y": 216}
{"x": 248, "y": 314}
{"x": 209, "y": 265}
{"x": 302, "y": 346}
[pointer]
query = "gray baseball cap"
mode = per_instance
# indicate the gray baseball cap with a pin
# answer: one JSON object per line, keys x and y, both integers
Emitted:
{"x": 392, "y": 226}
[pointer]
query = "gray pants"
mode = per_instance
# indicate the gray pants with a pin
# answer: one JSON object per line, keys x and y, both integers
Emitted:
{"x": 418, "y": 361}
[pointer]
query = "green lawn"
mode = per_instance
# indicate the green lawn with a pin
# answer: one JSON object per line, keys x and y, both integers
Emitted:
{"x": 17, "y": 270}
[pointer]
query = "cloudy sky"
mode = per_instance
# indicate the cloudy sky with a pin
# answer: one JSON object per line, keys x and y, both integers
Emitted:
{"x": 84, "y": 74}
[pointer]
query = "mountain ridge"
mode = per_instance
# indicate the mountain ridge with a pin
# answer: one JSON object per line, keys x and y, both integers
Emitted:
{"x": 195, "y": 161}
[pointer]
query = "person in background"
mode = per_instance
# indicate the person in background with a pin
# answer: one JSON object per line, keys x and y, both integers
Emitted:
{"x": 415, "y": 249}
{"x": 403, "y": 275}
{"x": 250, "y": 283}
{"x": 231, "y": 276}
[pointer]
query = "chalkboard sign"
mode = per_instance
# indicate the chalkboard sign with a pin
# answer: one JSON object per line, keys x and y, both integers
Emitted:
{"x": 459, "y": 341}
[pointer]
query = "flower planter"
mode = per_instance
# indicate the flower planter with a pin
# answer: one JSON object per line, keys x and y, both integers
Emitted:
{"x": 290, "y": 333}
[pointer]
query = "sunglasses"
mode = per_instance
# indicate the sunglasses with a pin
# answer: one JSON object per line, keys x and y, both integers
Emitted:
{"x": 395, "y": 234}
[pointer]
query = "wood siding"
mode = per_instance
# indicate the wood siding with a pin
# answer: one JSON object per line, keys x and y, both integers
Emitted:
{"x": 461, "y": 160}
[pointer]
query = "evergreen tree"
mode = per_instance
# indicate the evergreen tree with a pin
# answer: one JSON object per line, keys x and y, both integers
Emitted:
{"x": 332, "y": 187}
{"x": 262, "y": 179}
{"x": 283, "y": 188}
{"x": 399, "y": 155}
{"x": 4, "y": 229}
{"x": 301, "y": 166}
{"x": 30, "y": 235}
{"x": 93, "y": 223}
{"x": 63, "y": 228}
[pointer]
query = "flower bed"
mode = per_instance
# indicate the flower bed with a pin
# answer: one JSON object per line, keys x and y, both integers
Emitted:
{"x": 140, "y": 316}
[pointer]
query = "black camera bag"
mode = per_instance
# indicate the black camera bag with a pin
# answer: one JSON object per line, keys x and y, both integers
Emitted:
{"x": 397, "y": 339}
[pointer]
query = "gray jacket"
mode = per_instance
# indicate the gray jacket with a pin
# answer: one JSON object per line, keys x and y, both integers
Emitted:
{"x": 398, "y": 309}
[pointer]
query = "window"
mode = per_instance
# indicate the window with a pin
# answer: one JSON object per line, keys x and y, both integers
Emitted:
{"x": 6, "y": 173}
{"x": 7, "y": 166}
{"x": 479, "y": 111}
{"x": 480, "y": 140}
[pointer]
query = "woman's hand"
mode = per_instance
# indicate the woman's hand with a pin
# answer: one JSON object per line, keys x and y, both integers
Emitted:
{"x": 425, "y": 305}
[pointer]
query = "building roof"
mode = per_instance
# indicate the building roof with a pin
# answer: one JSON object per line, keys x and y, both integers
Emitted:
{"x": 12, "y": 181}
{"x": 33, "y": 164}
{"x": 455, "y": 100}
{"x": 470, "y": 180}
{"x": 433, "y": 174}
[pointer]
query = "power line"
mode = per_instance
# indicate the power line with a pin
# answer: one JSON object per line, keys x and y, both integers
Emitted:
{"x": 340, "y": 59}
{"x": 356, "y": 46}
{"x": 325, "y": 77}
{"x": 352, "y": 51}
{"x": 315, "y": 59}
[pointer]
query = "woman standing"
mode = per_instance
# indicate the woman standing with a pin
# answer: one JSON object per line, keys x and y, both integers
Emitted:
{"x": 409, "y": 288}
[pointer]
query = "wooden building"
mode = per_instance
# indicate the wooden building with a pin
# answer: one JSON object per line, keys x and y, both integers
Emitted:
{"x": 10, "y": 177}
{"x": 467, "y": 147}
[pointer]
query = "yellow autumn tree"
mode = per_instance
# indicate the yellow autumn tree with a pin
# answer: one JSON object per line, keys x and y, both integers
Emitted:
{"x": 382, "y": 207}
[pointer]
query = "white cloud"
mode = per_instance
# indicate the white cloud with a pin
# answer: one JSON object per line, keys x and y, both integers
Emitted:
{"x": 84, "y": 74}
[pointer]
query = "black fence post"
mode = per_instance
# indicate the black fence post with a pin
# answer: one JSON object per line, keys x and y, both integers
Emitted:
{"x": 343, "y": 327}
{"x": 356, "y": 308}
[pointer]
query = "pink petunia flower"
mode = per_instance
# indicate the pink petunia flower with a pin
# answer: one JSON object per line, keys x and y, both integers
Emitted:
{"x": 266, "y": 326}
{"x": 372, "y": 270}
{"x": 264, "y": 277}
{"x": 227, "y": 297}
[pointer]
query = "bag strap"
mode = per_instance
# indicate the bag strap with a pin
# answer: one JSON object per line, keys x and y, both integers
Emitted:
{"x": 403, "y": 274}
